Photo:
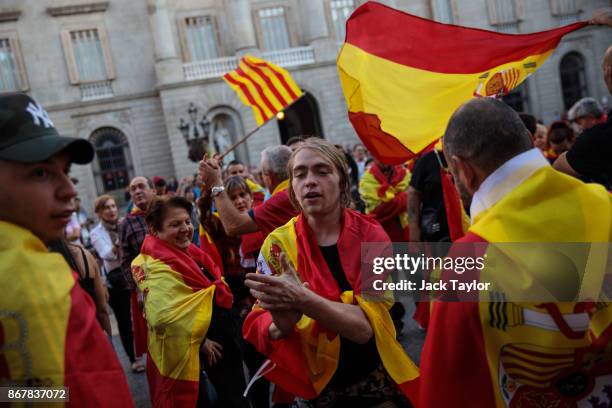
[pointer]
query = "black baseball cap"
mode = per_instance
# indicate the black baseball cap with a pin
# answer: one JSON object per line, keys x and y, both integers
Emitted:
{"x": 27, "y": 134}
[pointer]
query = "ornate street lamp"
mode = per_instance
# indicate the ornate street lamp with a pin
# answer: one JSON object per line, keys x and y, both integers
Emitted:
{"x": 196, "y": 134}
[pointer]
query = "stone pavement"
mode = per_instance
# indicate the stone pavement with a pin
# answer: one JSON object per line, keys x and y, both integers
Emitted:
{"x": 137, "y": 382}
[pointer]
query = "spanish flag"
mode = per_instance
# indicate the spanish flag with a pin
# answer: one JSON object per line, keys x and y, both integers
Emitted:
{"x": 207, "y": 244}
{"x": 385, "y": 198}
{"x": 178, "y": 307}
{"x": 306, "y": 359}
{"x": 49, "y": 335}
{"x": 526, "y": 354}
{"x": 257, "y": 191}
{"x": 264, "y": 86}
{"x": 403, "y": 76}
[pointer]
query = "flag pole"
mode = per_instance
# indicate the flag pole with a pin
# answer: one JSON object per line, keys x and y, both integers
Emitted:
{"x": 252, "y": 132}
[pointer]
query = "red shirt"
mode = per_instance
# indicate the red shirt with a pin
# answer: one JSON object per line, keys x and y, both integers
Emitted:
{"x": 275, "y": 211}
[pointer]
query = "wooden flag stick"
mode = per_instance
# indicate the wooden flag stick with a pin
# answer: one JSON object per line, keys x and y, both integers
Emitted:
{"x": 252, "y": 132}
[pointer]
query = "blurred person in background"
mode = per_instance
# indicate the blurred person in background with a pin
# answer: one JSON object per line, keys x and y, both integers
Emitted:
{"x": 85, "y": 265}
{"x": 160, "y": 185}
{"x": 591, "y": 155}
{"x": 105, "y": 240}
{"x": 560, "y": 138}
{"x": 360, "y": 156}
{"x": 295, "y": 141}
{"x": 238, "y": 168}
{"x": 585, "y": 114}
{"x": 132, "y": 232}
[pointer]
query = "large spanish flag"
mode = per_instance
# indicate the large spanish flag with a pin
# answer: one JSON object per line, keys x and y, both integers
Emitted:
{"x": 178, "y": 305}
{"x": 49, "y": 335}
{"x": 403, "y": 76}
{"x": 264, "y": 86}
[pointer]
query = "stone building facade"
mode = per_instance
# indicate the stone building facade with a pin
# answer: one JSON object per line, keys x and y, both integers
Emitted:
{"x": 140, "y": 77}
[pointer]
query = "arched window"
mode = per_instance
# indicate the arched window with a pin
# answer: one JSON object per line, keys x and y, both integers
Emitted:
{"x": 573, "y": 78}
{"x": 113, "y": 166}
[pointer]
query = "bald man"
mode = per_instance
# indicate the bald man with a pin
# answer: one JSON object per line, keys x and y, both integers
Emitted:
{"x": 590, "y": 158}
{"x": 476, "y": 354}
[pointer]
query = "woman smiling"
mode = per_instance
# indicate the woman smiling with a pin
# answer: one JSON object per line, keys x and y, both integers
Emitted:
{"x": 187, "y": 308}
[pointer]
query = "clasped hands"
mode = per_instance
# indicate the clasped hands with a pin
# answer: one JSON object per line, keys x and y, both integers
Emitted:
{"x": 284, "y": 296}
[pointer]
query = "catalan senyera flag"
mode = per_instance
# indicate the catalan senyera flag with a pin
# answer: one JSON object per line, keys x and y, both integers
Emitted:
{"x": 49, "y": 335}
{"x": 403, "y": 76}
{"x": 526, "y": 354}
{"x": 264, "y": 86}
{"x": 178, "y": 304}
{"x": 306, "y": 359}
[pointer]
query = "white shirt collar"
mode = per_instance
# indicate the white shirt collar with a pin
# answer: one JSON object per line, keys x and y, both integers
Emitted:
{"x": 505, "y": 179}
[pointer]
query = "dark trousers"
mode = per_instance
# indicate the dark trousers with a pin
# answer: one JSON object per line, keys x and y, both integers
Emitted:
{"x": 259, "y": 394}
{"x": 119, "y": 301}
{"x": 227, "y": 376}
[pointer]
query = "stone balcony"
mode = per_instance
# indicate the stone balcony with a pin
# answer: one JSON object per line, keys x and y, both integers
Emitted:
{"x": 96, "y": 90}
{"x": 215, "y": 68}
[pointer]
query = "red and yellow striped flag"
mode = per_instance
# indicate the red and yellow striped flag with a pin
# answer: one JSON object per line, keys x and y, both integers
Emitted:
{"x": 265, "y": 87}
{"x": 403, "y": 76}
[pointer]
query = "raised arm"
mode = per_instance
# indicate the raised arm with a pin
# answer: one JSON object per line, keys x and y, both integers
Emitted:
{"x": 234, "y": 222}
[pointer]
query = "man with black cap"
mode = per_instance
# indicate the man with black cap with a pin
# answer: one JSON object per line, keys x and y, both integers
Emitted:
{"x": 50, "y": 336}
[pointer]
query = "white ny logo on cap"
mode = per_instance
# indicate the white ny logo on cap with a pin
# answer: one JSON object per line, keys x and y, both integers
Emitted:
{"x": 39, "y": 114}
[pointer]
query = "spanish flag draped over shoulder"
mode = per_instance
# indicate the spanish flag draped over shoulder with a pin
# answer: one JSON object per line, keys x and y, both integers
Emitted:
{"x": 178, "y": 304}
{"x": 386, "y": 199}
{"x": 403, "y": 76}
{"x": 526, "y": 354}
{"x": 49, "y": 335}
{"x": 264, "y": 86}
{"x": 306, "y": 359}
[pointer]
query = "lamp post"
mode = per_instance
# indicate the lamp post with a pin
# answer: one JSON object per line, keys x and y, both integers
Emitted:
{"x": 195, "y": 133}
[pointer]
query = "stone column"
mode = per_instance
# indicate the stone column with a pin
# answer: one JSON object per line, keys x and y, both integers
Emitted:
{"x": 168, "y": 65}
{"x": 314, "y": 20}
{"x": 315, "y": 29}
{"x": 243, "y": 30}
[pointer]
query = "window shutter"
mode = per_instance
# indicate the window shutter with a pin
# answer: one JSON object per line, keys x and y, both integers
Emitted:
{"x": 492, "y": 10}
{"x": 215, "y": 24}
{"x": 21, "y": 72}
{"x": 182, "y": 26}
{"x": 555, "y": 8}
{"x": 73, "y": 73}
{"x": 108, "y": 60}
{"x": 520, "y": 9}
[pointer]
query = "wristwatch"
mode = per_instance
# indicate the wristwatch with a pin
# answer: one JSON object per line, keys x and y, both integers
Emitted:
{"x": 216, "y": 190}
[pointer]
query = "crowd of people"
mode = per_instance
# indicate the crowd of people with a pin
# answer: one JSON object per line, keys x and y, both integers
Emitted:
{"x": 243, "y": 287}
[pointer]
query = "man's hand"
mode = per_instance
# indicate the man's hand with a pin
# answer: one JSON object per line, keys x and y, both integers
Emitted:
{"x": 210, "y": 172}
{"x": 213, "y": 351}
{"x": 281, "y": 296}
{"x": 602, "y": 17}
{"x": 282, "y": 292}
